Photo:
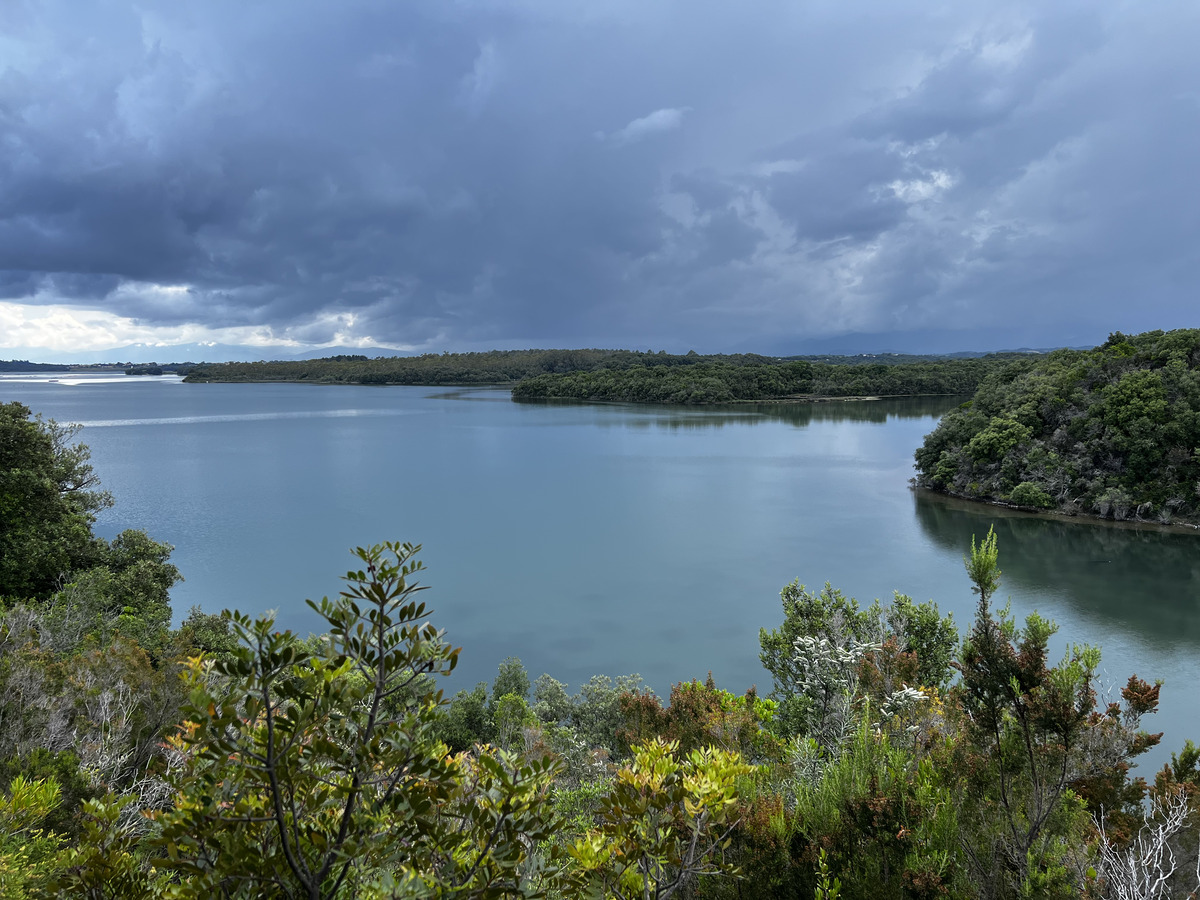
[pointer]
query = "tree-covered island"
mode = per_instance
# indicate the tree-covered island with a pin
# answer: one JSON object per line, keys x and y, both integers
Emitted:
{"x": 1112, "y": 432}
{"x": 720, "y": 382}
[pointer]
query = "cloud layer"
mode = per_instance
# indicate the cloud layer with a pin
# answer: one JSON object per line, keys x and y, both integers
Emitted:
{"x": 445, "y": 175}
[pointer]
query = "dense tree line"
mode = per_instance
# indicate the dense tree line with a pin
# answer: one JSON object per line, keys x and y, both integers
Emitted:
{"x": 719, "y": 382}
{"x": 491, "y": 367}
{"x": 631, "y": 376}
{"x": 703, "y": 383}
{"x": 21, "y": 365}
{"x": 1111, "y": 432}
{"x": 229, "y": 758}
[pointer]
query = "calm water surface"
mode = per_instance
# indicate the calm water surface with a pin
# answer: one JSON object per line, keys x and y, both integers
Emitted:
{"x": 602, "y": 538}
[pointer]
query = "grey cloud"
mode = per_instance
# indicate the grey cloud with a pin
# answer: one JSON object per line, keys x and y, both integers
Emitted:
{"x": 428, "y": 174}
{"x": 478, "y": 85}
{"x": 842, "y": 193}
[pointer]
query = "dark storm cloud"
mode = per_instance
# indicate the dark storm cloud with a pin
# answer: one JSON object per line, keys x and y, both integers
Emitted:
{"x": 475, "y": 174}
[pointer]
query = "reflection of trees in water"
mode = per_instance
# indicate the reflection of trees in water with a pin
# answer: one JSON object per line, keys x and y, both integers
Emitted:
{"x": 1143, "y": 579}
{"x": 475, "y": 394}
{"x": 797, "y": 414}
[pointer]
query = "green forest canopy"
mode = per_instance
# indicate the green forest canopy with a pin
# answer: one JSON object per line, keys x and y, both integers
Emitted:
{"x": 1112, "y": 432}
{"x": 491, "y": 367}
{"x": 720, "y": 382}
{"x": 633, "y": 376}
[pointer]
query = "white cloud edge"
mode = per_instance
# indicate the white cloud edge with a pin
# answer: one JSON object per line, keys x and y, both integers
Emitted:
{"x": 668, "y": 118}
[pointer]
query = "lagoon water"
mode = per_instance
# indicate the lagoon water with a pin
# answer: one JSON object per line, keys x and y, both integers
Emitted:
{"x": 607, "y": 539}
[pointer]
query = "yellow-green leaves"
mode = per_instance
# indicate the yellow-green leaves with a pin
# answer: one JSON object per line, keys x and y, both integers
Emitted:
{"x": 665, "y": 819}
{"x": 982, "y": 566}
{"x": 24, "y": 849}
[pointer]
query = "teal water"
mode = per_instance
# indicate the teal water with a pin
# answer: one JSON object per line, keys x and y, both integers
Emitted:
{"x": 603, "y": 538}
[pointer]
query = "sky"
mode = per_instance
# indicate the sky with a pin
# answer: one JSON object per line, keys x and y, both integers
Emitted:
{"x": 778, "y": 177}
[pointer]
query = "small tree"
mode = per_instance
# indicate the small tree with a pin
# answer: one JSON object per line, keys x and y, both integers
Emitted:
{"x": 296, "y": 783}
{"x": 828, "y": 622}
{"x": 828, "y": 654}
{"x": 511, "y": 678}
{"x": 1031, "y": 739}
{"x": 49, "y": 498}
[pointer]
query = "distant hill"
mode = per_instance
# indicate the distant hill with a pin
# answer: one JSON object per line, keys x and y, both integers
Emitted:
{"x": 1111, "y": 432}
{"x": 135, "y": 354}
{"x": 492, "y": 367}
{"x": 929, "y": 342}
{"x": 898, "y": 359}
{"x": 21, "y": 365}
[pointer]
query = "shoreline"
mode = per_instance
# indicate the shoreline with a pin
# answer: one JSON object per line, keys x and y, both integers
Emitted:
{"x": 319, "y": 383}
{"x": 969, "y": 503}
{"x": 790, "y": 398}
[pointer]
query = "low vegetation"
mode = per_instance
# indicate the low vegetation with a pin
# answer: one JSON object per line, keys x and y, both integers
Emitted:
{"x": 229, "y": 758}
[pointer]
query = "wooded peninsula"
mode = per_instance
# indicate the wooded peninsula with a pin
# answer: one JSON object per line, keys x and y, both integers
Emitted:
{"x": 1112, "y": 432}
{"x": 721, "y": 382}
{"x": 633, "y": 376}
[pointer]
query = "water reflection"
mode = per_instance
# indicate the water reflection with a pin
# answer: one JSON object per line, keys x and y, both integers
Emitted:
{"x": 798, "y": 414}
{"x": 243, "y": 417}
{"x": 1144, "y": 579}
{"x": 475, "y": 394}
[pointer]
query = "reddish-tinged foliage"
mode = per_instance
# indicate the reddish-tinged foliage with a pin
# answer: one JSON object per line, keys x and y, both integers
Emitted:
{"x": 699, "y": 716}
{"x": 887, "y": 670}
